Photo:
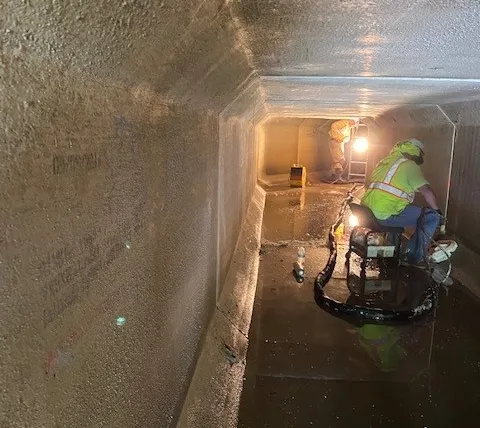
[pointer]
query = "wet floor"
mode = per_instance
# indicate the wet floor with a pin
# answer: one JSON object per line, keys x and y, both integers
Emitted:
{"x": 308, "y": 368}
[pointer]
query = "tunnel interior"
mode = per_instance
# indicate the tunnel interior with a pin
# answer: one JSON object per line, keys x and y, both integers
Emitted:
{"x": 293, "y": 124}
{"x": 133, "y": 140}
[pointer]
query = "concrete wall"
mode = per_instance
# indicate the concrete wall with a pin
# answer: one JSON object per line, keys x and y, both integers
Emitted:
{"x": 213, "y": 398}
{"x": 280, "y": 149}
{"x": 429, "y": 125}
{"x": 284, "y": 141}
{"x": 313, "y": 148}
{"x": 238, "y": 160}
{"x": 465, "y": 180}
{"x": 109, "y": 208}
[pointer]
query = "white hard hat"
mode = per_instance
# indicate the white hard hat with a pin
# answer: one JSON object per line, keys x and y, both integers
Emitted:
{"x": 417, "y": 143}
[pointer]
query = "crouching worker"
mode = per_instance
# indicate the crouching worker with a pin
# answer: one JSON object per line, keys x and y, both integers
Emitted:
{"x": 391, "y": 190}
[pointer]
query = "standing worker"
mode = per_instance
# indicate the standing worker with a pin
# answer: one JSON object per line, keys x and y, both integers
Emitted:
{"x": 340, "y": 134}
{"x": 391, "y": 190}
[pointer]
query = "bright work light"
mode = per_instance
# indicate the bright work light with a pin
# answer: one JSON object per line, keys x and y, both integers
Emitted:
{"x": 360, "y": 144}
{"x": 353, "y": 220}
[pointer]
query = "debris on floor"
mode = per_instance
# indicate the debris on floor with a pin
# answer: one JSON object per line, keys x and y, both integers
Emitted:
{"x": 231, "y": 355}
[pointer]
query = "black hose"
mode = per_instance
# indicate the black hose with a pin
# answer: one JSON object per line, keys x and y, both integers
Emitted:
{"x": 367, "y": 314}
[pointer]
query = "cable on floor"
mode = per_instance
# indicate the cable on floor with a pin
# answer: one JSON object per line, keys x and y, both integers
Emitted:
{"x": 363, "y": 313}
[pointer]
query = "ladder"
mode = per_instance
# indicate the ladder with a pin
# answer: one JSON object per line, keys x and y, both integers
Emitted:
{"x": 357, "y": 161}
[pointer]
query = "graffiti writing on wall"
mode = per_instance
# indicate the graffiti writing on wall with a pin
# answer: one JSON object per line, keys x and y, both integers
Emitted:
{"x": 81, "y": 263}
{"x": 67, "y": 163}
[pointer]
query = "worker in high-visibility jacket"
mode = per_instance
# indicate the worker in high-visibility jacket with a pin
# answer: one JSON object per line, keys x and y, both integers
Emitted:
{"x": 390, "y": 191}
{"x": 340, "y": 134}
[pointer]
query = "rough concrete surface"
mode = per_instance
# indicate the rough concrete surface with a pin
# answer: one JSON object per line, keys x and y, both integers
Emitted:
{"x": 214, "y": 393}
{"x": 129, "y": 138}
{"x": 421, "y": 38}
{"x": 331, "y": 97}
{"x": 109, "y": 181}
{"x": 464, "y": 201}
{"x": 237, "y": 173}
{"x": 280, "y": 146}
{"x": 464, "y": 267}
{"x": 288, "y": 140}
{"x": 313, "y": 144}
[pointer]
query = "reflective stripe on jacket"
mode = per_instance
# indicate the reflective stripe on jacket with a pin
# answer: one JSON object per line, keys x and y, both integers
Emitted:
{"x": 386, "y": 186}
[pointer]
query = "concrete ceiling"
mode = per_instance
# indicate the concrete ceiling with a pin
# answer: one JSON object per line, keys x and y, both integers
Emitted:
{"x": 331, "y": 97}
{"x": 409, "y": 38}
{"x": 332, "y": 58}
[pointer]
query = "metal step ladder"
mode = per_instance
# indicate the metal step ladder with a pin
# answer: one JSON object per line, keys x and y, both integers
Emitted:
{"x": 360, "y": 171}
{"x": 358, "y": 161}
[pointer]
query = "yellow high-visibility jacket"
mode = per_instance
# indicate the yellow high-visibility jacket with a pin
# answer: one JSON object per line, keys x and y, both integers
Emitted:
{"x": 340, "y": 130}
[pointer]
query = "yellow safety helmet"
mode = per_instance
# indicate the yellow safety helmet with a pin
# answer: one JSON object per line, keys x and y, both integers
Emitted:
{"x": 412, "y": 146}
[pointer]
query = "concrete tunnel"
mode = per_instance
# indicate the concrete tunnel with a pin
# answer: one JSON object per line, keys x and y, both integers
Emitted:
{"x": 134, "y": 161}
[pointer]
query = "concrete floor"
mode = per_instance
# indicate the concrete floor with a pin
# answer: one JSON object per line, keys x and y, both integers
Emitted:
{"x": 308, "y": 368}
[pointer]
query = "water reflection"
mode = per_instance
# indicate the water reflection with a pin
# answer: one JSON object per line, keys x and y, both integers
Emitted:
{"x": 382, "y": 344}
{"x": 398, "y": 353}
{"x": 381, "y": 283}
